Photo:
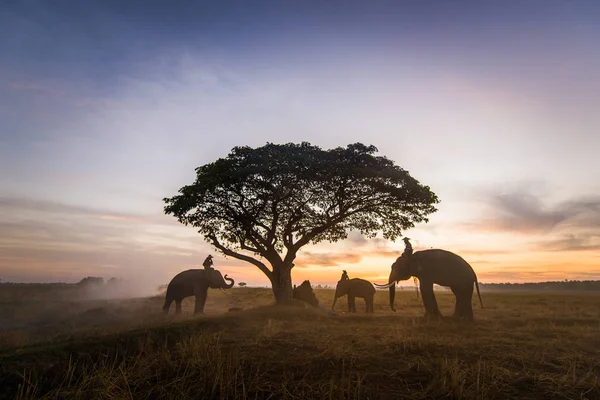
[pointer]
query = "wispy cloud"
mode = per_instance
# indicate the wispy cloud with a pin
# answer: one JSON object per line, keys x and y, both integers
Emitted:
{"x": 23, "y": 206}
{"x": 309, "y": 259}
{"x": 39, "y": 238}
{"x": 525, "y": 273}
{"x": 572, "y": 242}
{"x": 525, "y": 213}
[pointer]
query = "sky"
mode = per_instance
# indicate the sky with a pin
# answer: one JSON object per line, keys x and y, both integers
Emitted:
{"x": 106, "y": 107}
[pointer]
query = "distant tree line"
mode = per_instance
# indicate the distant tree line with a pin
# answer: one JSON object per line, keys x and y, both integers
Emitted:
{"x": 551, "y": 285}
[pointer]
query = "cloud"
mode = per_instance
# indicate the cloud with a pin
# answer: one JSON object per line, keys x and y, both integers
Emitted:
{"x": 22, "y": 206}
{"x": 523, "y": 212}
{"x": 356, "y": 247}
{"x": 572, "y": 242}
{"x": 40, "y": 239}
{"x": 527, "y": 273}
{"x": 306, "y": 259}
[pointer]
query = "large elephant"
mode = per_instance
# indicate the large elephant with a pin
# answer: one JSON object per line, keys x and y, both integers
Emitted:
{"x": 440, "y": 267}
{"x": 354, "y": 288}
{"x": 194, "y": 282}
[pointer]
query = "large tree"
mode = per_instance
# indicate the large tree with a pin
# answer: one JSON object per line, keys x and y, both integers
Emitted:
{"x": 273, "y": 200}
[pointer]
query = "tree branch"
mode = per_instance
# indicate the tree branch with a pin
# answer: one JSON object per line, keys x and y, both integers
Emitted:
{"x": 239, "y": 256}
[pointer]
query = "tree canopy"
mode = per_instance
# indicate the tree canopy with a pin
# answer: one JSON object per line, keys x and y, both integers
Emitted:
{"x": 272, "y": 200}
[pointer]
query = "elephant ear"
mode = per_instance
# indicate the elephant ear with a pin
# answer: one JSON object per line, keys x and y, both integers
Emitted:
{"x": 417, "y": 268}
{"x": 213, "y": 276}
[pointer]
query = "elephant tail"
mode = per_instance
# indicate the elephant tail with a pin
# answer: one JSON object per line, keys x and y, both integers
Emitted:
{"x": 167, "y": 305}
{"x": 478, "y": 294}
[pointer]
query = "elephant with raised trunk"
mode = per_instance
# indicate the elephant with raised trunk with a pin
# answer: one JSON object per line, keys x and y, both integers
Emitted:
{"x": 440, "y": 267}
{"x": 354, "y": 288}
{"x": 194, "y": 282}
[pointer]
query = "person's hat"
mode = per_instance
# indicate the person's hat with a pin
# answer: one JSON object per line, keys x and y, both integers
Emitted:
{"x": 406, "y": 239}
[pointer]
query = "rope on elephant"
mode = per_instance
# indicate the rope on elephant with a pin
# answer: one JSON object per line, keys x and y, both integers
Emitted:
{"x": 416, "y": 280}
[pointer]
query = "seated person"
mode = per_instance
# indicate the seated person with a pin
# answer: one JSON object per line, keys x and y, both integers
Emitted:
{"x": 408, "y": 250}
{"x": 208, "y": 262}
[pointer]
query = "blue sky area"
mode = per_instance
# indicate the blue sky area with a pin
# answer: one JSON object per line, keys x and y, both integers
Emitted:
{"x": 108, "y": 106}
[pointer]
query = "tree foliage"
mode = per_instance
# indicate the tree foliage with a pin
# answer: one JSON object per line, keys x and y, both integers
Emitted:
{"x": 272, "y": 200}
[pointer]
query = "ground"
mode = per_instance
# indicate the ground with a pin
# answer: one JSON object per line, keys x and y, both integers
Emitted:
{"x": 56, "y": 344}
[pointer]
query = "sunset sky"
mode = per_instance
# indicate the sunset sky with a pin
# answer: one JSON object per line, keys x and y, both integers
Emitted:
{"x": 106, "y": 107}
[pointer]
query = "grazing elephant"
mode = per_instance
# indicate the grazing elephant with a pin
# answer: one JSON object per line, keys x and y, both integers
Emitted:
{"x": 440, "y": 267}
{"x": 353, "y": 288}
{"x": 305, "y": 293}
{"x": 194, "y": 282}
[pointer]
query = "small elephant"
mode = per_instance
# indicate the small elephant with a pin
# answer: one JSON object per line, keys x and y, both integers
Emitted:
{"x": 194, "y": 282}
{"x": 440, "y": 267}
{"x": 354, "y": 288}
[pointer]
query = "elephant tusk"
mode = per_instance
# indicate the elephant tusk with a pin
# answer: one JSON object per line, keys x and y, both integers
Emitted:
{"x": 387, "y": 285}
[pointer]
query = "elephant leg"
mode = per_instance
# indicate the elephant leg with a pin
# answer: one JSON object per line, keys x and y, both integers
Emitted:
{"x": 200, "y": 301}
{"x": 351, "y": 304}
{"x": 429, "y": 300}
{"x": 178, "y": 306}
{"x": 464, "y": 306}
{"x": 369, "y": 304}
{"x": 458, "y": 307}
{"x": 167, "y": 305}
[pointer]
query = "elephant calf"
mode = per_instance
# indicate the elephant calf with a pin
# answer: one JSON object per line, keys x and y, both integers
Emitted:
{"x": 354, "y": 288}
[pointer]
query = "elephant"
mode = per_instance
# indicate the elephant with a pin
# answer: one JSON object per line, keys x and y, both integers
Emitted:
{"x": 440, "y": 267}
{"x": 353, "y": 288}
{"x": 305, "y": 293}
{"x": 194, "y": 282}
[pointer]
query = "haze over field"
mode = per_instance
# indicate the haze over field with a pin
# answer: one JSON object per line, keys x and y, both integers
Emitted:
{"x": 108, "y": 108}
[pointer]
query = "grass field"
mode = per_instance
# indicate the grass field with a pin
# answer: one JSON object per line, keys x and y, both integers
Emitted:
{"x": 55, "y": 344}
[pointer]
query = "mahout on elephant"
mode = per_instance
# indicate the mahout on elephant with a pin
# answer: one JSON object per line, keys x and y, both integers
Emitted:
{"x": 195, "y": 282}
{"x": 353, "y": 288}
{"x": 441, "y": 267}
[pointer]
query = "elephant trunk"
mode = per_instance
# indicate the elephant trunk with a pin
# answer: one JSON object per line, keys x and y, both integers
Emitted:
{"x": 334, "y": 301}
{"x": 230, "y": 284}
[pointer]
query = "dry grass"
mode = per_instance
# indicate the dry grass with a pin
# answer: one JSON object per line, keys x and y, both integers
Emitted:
{"x": 522, "y": 346}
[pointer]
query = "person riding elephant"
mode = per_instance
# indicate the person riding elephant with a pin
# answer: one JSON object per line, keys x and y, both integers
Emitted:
{"x": 208, "y": 263}
{"x": 441, "y": 267}
{"x": 354, "y": 288}
{"x": 195, "y": 282}
{"x": 408, "y": 250}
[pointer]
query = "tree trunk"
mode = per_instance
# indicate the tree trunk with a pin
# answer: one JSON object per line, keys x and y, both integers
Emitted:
{"x": 282, "y": 283}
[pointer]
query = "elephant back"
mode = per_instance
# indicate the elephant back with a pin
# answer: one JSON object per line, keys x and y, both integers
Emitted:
{"x": 362, "y": 286}
{"x": 438, "y": 260}
{"x": 184, "y": 276}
